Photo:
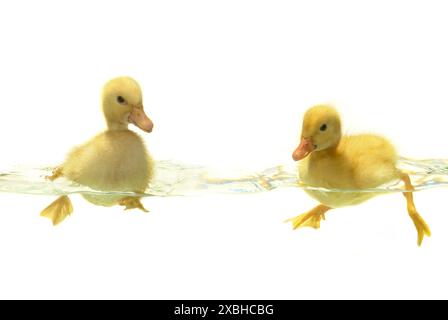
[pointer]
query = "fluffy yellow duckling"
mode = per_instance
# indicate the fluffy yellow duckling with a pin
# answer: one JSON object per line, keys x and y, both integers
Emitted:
{"x": 114, "y": 160}
{"x": 331, "y": 160}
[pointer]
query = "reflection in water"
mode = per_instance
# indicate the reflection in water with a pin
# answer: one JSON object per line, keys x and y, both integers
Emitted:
{"x": 176, "y": 179}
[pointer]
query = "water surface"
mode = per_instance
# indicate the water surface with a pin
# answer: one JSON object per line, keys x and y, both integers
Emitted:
{"x": 177, "y": 179}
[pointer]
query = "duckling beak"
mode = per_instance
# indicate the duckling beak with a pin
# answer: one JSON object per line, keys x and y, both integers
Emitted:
{"x": 139, "y": 118}
{"x": 305, "y": 148}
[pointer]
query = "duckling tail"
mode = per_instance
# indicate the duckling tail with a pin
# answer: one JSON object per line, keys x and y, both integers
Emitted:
{"x": 60, "y": 209}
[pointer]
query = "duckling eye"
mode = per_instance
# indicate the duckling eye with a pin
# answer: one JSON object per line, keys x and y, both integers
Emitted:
{"x": 323, "y": 127}
{"x": 121, "y": 100}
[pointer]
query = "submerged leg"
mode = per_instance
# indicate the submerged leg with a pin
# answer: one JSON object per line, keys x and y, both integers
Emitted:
{"x": 58, "y": 210}
{"x": 57, "y": 172}
{"x": 420, "y": 224}
{"x": 310, "y": 219}
{"x": 132, "y": 203}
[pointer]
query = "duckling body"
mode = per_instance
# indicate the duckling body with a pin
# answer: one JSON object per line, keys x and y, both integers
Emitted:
{"x": 357, "y": 162}
{"x": 114, "y": 160}
{"x": 333, "y": 161}
{"x": 111, "y": 161}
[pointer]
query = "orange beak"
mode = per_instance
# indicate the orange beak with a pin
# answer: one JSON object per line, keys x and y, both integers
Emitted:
{"x": 305, "y": 148}
{"x": 139, "y": 118}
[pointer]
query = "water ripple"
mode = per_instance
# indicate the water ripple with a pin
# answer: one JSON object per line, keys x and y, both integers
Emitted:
{"x": 177, "y": 179}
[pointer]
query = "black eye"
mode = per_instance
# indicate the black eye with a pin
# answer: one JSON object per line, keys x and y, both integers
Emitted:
{"x": 323, "y": 127}
{"x": 121, "y": 100}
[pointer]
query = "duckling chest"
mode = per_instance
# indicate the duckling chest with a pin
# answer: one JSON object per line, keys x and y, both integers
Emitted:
{"x": 111, "y": 161}
{"x": 326, "y": 173}
{"x": 331, "y": 174}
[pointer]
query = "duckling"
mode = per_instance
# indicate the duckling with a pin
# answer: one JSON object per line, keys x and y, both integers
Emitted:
{"x": 335, "y": 161}
{"x": 114, "y": 160}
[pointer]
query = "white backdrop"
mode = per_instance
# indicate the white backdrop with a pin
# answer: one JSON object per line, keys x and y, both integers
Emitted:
{"x": 226, "y": 84}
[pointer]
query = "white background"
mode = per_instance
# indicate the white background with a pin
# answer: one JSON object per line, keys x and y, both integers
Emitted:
{"x": 226, "y": 84}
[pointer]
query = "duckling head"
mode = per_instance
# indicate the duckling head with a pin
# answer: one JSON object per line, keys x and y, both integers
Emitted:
{"x": 122, "y": 104}
{"x": 321, "y": 130}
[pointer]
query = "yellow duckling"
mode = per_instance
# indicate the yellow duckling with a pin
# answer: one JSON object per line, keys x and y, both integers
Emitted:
{"x": 331, "y": 160}
{"x": 114, "y": 160}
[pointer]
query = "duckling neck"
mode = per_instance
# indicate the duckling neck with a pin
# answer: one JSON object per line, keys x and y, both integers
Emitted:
{"x": 325, "y": 152}
{"x": 115, "y": 126}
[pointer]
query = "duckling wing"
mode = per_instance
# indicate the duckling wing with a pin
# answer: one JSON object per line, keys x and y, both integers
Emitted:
{"x": 372, "y": 160}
